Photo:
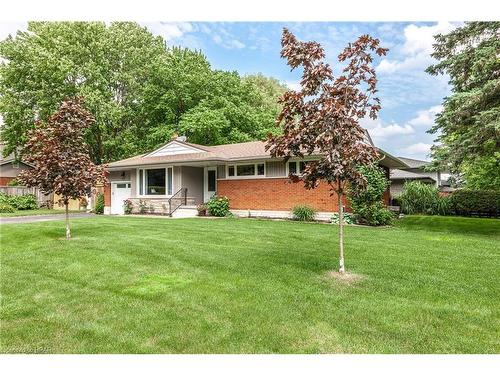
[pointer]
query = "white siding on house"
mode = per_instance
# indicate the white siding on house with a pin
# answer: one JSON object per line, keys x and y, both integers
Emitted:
{"x": 175, "y": 148}
{"x": 275, "y": 169}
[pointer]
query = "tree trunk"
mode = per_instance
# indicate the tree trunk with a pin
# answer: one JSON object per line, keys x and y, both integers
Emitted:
{"x": 341, "y": 231}
{"x": 68, "y": 231}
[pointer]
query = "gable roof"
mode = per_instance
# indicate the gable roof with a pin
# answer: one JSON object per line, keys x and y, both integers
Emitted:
{"x": 9, "y": 158}
{"x": 221, "y": 153}
{"x": 414, "y": 163}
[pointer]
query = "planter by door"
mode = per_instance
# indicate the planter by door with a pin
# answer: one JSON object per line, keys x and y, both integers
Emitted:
{"x": 210, "y": 183}
{"x": 119, "y": 192}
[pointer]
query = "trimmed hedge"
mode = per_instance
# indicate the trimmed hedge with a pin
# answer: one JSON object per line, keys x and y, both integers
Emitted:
{"x": 475, "y": 202}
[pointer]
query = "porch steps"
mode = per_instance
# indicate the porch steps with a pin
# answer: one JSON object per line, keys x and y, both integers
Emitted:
{"x": 185, "y": 211}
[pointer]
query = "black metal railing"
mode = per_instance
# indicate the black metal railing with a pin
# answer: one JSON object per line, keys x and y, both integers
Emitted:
{"x": 180, "y": 197}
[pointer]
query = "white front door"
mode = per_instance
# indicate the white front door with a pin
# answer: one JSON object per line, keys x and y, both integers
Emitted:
{"x": 210, "y": 183}
{"x": 119, "y": 192}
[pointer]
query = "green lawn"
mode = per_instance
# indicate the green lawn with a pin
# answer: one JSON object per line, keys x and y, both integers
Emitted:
{"x": 41, "y": 211}
{"x": 149, "y": 285}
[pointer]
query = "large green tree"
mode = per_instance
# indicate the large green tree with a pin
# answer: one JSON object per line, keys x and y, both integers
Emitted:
{"x": 109, "y": 66}
{"x": 468, "y": 128}
{"x": 139, "y": 90}
{"x": 234, "y": 110}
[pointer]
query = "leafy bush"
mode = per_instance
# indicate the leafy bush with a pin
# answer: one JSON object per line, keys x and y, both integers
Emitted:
{"x": 99, "y": 204}
{"x": 202, "y": 209}
{"x": 348, "y": 218}
{"x": 13, "y": 182}
{"x": 20, "y": 202}
{"x": 127, "y": 206}
{"x": 5, "y": 208}
{"x": 304, "y": 213}
{"x": 475, "y": 202}
{"x": 366, "y": 201}
{"x": 143, "y": 206}
{"x": 218, "y": 206}
{"x": 420, "y": 198}
{"x": 374, "y": 214}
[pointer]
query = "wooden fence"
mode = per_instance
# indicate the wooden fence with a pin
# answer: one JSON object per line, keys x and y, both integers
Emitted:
{"x": 41, "y": 198}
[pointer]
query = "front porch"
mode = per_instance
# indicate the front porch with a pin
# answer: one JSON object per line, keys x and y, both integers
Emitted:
{"x": 160, "y": 189}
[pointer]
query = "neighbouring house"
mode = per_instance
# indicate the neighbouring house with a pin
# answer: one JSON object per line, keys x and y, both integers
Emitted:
{"x": 177, "y": 176}
{"x": 416, "y": 172}
{"x": 10, "y": 167}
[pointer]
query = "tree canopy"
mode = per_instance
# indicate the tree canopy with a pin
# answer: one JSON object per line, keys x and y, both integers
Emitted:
{"x": 59, "y": 155}
{"x": 468, "y": 128}
{"x": 139, "y": 90}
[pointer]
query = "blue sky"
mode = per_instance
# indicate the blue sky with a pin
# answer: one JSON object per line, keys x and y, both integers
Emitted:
{"x": 410, "y": 97}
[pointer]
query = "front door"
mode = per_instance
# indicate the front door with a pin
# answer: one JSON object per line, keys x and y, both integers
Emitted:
{"x": 119, "y": 192}
{"x": 210, "y": 183}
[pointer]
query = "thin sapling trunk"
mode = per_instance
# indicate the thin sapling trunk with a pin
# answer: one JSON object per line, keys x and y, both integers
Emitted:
{"x": 68, "y": 231}
{"x": 341, "y": 230}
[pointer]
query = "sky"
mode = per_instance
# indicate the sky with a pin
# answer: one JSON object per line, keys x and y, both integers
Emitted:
{"x": 410, "y": 97}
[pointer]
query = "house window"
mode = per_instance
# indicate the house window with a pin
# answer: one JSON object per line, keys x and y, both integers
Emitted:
{"x": 156, "y": 181}
{"x": 141, "y": 179}
{"x": 260, "y": 169}
{"x": 295, "y": 167}
{"x": 169, "y": 180}
{"x": 245, "y": 170}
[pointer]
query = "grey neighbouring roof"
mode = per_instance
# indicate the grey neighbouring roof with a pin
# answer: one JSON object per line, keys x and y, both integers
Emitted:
{"x": 414, "y": 163}
{"x": 398, "y": 174}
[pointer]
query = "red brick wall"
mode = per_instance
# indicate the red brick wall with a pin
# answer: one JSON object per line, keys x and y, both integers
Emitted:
{"x": 4, "y": 181}
{"x": 275, "y": 194}
{"x": 107, "y": 195}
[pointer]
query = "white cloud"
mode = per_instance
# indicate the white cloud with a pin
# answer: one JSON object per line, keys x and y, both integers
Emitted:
{"x": 419, "y": 148}
{"x": 379, "y": 131}
{"x": 417, "y": 48}
{"x": 426, "y": 117}
{"x": 11, "y": 28}
{"x": 222, "y": 37}
{"x": 293, "y": 85}
{"x": 169, "y": 30}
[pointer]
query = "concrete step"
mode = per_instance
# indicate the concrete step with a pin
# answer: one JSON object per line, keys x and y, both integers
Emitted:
{"x": 185, "y": 211}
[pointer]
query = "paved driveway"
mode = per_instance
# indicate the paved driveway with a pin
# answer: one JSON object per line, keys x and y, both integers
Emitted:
{"x": 35, "y": 218}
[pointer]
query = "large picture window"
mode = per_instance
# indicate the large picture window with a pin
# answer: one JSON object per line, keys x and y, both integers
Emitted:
{"x": 156, "y": 181}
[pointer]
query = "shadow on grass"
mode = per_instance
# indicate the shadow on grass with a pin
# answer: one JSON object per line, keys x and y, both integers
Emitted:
{"x": 451, "y": 224}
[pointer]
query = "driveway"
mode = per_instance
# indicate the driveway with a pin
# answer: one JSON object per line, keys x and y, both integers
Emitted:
{"x": 34, "y": 219}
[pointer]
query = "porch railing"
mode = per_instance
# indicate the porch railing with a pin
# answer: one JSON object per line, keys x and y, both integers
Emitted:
{"x": 176, "y": 200}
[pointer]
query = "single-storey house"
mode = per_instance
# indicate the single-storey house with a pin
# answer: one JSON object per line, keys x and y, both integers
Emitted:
{"x": 177, "y": 176}
{"x": 415, "y": 171}
{"x": 10, "y": 167}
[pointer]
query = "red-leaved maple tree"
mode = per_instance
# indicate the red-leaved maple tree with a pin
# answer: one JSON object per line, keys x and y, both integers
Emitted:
{"x": 322, "y": 118}
{"x": 60, "y": 156}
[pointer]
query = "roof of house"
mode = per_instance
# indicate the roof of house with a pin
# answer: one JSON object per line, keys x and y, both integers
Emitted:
{"x": 414, "y": 163}
{"x": 193, "y": 153}
{"x": 9, "y": 158}
{"x": 398, "y": 174}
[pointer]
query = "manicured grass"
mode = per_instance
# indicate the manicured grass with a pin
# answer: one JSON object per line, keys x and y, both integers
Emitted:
{"x": 149, "y": 285}
{"x": 41, "y": 211}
